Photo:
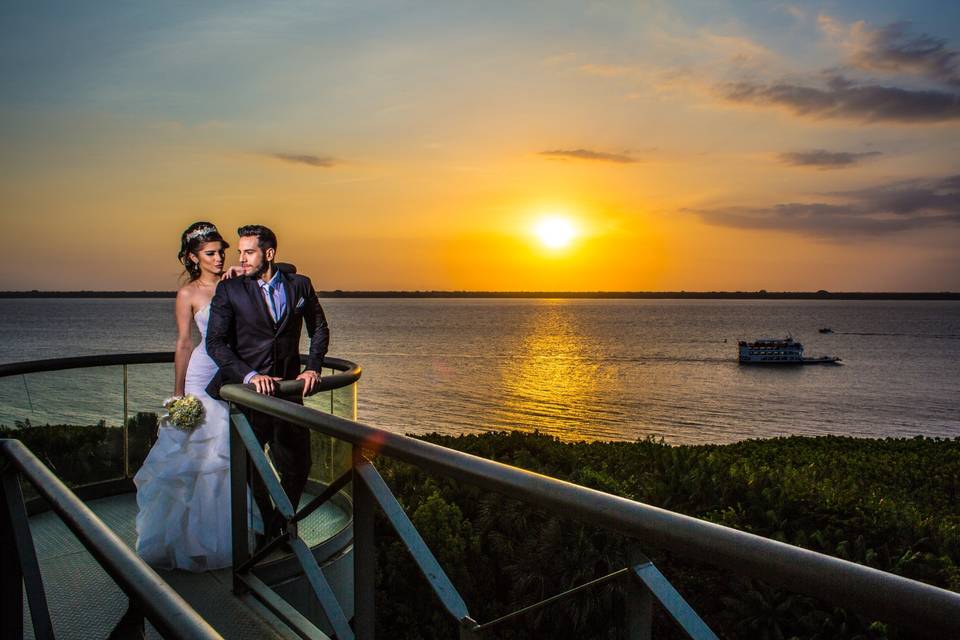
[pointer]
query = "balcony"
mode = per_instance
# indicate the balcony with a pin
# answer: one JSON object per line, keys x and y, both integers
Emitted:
{"x": 326, "y": 586}
{"x": 102, "y": 413}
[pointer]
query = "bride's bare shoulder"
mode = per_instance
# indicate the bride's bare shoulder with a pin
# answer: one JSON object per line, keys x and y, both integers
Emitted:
{"x": 186, "y": 292}
{"x": 189, "y": 296}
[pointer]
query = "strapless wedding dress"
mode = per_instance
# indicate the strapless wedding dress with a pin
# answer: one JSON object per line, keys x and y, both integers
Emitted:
{"x": 183, "y": 487}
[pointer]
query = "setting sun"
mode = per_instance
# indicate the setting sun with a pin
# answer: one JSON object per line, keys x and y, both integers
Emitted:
{"x": 555, "y": 232}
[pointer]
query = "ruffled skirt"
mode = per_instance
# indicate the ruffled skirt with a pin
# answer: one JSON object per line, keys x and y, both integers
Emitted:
{"x": 183, "y": 495}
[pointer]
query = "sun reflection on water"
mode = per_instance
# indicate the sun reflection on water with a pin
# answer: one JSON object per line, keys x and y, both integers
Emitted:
{"x": 551, "y": 380}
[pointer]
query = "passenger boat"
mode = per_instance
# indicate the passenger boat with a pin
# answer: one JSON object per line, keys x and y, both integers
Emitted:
{"x": 778, "y": 351}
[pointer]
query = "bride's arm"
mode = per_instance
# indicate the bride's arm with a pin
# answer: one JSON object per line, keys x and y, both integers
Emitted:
{"x": 181, "y": 357}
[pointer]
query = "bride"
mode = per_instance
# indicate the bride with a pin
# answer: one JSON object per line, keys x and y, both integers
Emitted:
{"x": 183, "y": 487}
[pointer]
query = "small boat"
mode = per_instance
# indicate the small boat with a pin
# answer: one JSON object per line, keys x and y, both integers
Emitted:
{"x": 778, "y": 351}
{"x": 826, "y": 330}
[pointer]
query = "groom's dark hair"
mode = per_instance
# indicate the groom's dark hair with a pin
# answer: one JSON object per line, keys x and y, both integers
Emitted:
{"x": 266, "y": 239}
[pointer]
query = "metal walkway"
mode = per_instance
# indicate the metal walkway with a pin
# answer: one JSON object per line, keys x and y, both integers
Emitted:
{"x": 85, "y": 602}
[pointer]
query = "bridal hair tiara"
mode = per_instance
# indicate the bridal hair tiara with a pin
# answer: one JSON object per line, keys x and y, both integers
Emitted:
{"x": 202, "y": 231}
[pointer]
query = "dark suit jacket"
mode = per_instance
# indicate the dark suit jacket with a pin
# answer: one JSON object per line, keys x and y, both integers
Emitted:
{"x": 242, "y": 337}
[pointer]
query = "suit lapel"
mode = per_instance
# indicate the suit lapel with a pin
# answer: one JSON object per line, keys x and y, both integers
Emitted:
{"x": 259, "y": 302}
{"x": 288, "y": 308}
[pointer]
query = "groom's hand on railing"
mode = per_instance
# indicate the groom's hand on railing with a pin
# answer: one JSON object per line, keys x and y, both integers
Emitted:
{"x": 310, "y": 380}
{"x": 264, "y": 384}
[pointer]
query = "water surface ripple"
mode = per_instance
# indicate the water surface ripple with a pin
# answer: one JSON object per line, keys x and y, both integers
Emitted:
{"x": 591, "y": 369}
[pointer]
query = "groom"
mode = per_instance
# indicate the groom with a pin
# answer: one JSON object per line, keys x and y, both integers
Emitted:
{"x": 254, "y": 337}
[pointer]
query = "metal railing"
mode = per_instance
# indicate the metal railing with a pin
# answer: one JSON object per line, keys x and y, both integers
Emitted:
{"x": 883, "y": 596}
{"x": 343, "y": 373}
{"x": 159, "y": 603}
{"x": 149, "y": 594}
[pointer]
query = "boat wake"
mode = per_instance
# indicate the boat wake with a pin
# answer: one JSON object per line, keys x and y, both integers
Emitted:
{"x": 934, "y": 336}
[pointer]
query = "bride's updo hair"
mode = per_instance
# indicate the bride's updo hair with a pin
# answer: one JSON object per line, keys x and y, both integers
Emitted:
{"x": 194, "y": 237}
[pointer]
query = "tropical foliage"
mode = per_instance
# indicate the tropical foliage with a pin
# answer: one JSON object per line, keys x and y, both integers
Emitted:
{"x": 892, "y": 504}
{"x": 84, "y": 454}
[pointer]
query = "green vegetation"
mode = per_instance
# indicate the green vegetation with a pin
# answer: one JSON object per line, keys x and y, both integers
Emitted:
{"x": 80, "y": 454}
{"x": 891, "y": 504}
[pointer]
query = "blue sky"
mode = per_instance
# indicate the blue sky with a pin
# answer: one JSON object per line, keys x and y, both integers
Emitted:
{"x": 414, "y": 145}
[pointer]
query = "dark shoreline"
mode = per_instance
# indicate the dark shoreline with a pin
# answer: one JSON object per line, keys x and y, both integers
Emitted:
{"x": 601, "y": 295}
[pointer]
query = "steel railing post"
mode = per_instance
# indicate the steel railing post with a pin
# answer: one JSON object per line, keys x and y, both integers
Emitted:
{"x": 126, "y": 428}
{"x": 239, "y": 465}
{"x": 353, "y": 399}
{"x": 639, "y": 611}
{"x": 27, "y": 567}
{"x": 364, "y": 555}
{"x": 166, "y": 610}
{"x": 468, "y": 630}
{"x": 11, "y": 578}
{"x": 330, "y": 442}
{"x": 871, "y": 592}
{"x": 638, "y": 602}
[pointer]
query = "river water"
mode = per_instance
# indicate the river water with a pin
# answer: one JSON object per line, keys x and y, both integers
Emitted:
{"x": 579, "y": 369}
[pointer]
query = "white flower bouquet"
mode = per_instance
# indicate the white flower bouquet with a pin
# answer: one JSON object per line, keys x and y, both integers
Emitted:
{"x": 183, "y": 412}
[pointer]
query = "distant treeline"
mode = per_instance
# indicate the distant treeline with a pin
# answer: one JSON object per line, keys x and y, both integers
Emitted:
{"x": 606, "y": 295}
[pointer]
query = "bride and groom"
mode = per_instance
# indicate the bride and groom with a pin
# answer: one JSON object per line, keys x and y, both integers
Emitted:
{"x": 250, "y": 320}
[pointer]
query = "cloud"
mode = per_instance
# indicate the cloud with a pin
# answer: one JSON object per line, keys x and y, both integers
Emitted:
{"x": 832, "y": 27}
{"x": 606, "y": 70}
{"x": 561, "y": 58}
{"x": 894, "y": 49}
{"x": 844, "y": 99}
{"x": 737, "y": 49}
{"x": 911, "y": 197}
{"x": 587, "y": 154}
{"x": 303, "y": 158}
{"x": 795, "y": 11}
{"x": 692, "y": 58}
{"x": 879, "y": 210}
{"x": 823, "y": 159}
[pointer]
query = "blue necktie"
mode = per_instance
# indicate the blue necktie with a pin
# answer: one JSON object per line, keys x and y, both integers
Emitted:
{"x": 273, "y": 303}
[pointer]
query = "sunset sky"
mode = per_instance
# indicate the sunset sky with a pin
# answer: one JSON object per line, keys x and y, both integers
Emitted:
{"x": 407, "y": 145}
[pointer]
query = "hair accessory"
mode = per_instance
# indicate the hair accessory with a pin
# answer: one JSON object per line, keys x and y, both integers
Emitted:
{"x": 202, "y": 231}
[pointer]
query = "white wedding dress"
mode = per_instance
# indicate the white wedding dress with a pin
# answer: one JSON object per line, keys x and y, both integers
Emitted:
{"x": 183, "y": 487}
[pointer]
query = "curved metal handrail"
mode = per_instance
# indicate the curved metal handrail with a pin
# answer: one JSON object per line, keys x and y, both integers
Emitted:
{"x": 350, "y": 372}
{"x": 163, "y": 606}
{"x": 886, "y": 596}
{"x": 347, "y": 374}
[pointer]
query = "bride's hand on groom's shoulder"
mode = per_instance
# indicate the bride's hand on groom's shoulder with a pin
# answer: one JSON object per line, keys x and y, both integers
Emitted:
{"x": 233, "y": 272}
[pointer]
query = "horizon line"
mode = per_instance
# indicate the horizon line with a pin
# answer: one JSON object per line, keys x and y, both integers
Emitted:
{"x": 464, "y": 293}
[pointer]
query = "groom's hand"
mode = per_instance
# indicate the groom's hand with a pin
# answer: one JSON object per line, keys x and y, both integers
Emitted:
{"x": 310, "y": 380}
{"x": 264, "y": 384}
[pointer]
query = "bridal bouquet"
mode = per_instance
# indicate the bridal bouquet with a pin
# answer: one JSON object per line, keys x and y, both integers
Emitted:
{"x": 183, "y": 412}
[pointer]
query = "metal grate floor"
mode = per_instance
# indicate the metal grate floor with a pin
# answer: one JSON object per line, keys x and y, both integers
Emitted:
{"x": 85, "y": 603}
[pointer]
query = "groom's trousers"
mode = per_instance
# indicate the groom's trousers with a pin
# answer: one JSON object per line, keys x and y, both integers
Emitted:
{"x": 290, "y": 450}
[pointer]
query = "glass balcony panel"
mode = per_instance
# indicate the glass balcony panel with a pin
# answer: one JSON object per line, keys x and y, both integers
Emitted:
{"x": 15, "y": 401}
{"x": 70, "y": 419}
{"x": 345, "y": 402}
{"x": 331, "y": 457}
{"x": 148, "y": 386}
{"x": 345, "y": 406}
